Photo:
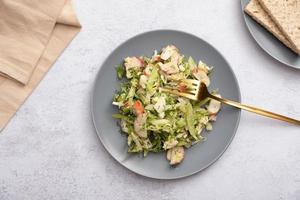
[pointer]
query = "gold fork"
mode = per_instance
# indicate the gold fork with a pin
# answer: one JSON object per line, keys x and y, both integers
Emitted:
{"x": 198, "y": 91}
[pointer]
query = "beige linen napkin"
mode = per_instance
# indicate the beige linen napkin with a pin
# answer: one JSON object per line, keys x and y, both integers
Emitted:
{"x": 33, "y": 33}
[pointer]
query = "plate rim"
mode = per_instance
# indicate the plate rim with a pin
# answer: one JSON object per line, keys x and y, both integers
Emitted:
{"x": 259, "y": 43}
{"x": 161, "y": 177}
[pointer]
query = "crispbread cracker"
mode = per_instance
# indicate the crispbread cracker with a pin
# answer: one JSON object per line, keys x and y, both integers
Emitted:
{"x": 286, "y": 14}
{"x": 255, "y": 10}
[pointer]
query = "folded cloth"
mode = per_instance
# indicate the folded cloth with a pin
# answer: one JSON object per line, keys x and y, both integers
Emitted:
{"x": 33, "y": 34}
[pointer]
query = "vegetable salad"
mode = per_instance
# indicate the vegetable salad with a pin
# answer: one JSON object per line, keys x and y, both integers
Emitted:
{"x": 154, "y": 121}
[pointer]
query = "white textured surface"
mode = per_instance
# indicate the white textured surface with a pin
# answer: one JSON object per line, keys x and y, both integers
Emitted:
{"x": 50, "y": 149}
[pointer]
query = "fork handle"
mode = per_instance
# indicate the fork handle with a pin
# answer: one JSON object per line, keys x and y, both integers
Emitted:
{"x": 256, "y": 110}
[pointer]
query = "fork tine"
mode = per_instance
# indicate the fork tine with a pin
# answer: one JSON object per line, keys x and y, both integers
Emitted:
{"x": 175, "y": 92}
{"x": 188, "y": 81}
{"x": 190, "y": 90}
{"x": 194, "y": 87}
{"x": 192, "y": 81}
{"x": 191, "y": 93}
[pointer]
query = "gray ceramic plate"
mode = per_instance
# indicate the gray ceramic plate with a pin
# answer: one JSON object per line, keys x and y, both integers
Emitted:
{"x": 199, "y": 156}
{"x": 269, "y": 43}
